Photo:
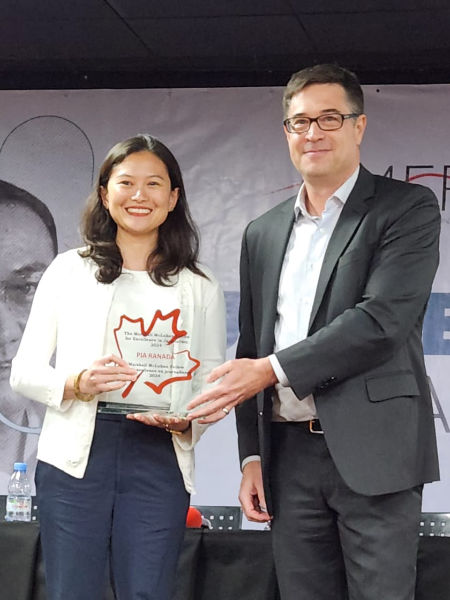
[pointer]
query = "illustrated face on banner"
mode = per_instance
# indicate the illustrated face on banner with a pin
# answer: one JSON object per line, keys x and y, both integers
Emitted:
{"x": 26, "y": 248}
{"x": 326, "y": 156}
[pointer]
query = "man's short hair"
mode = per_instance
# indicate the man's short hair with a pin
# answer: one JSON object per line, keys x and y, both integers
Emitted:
{"x": 326, "y": 73}
{"x": 11, "y": 193}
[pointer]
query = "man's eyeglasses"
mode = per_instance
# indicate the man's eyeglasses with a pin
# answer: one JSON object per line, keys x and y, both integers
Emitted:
{"x": 326, "y": 122}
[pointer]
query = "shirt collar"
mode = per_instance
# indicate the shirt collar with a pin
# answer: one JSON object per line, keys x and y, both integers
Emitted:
{"x": 342, "y": 194}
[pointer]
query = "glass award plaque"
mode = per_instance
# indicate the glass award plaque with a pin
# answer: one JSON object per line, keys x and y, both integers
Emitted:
{"x": 160, "y": 353}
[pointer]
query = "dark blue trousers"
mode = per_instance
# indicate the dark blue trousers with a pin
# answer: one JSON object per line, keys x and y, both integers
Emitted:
{"x": 130, "y": 508}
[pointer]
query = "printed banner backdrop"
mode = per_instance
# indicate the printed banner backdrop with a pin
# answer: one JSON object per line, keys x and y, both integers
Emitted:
{"x": 232, "y": 151}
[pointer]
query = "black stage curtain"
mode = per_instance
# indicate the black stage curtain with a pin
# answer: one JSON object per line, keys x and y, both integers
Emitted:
{"x": 214, "y": 565}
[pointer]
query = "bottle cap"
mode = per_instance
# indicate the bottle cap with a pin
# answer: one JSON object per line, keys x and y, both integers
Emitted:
{"x": 20, "y": 466}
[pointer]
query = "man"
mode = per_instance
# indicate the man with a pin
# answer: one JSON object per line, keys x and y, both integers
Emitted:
{"x": 334, "y": 286}
{"x": 27, "y": 245}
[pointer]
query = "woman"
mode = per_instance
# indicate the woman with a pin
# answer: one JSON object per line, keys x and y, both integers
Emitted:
{"x": 107, "y": 484}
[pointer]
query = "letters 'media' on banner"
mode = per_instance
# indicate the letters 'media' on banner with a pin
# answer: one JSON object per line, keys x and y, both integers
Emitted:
{"x": 233, "y": 154}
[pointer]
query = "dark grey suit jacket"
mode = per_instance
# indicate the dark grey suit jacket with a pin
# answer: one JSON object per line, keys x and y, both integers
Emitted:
{"x": 363, "y": 357}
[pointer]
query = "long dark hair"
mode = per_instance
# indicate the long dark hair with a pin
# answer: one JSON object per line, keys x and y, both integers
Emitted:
{"x": 178, "y": 239}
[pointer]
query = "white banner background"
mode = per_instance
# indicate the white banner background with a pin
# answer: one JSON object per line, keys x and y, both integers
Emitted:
{"x": 231, "y": 149}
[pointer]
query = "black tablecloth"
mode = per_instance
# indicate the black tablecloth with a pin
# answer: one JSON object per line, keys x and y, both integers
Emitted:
{"x": 214, "y": 565}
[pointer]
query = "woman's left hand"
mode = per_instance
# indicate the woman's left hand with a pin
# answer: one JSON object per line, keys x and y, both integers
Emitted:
{"x": 175, "y": 425}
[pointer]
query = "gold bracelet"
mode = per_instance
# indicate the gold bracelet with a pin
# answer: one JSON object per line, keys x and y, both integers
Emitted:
{"x": 176, "y": 432}
{"x": 76, "y": 389}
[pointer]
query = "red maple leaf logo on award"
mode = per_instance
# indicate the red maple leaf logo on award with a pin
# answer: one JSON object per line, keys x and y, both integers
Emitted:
{"x": 151, "y": 350}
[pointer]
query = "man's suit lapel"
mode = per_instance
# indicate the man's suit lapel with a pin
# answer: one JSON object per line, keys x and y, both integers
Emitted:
{"x": 352, "y": 213}
{"x": 278, "y": 234}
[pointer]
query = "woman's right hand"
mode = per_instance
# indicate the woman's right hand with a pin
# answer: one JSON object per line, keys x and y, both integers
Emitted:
{"x": 104, "y": 375}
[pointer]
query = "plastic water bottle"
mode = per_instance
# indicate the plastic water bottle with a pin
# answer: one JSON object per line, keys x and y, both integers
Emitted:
{"x": 18, "y": 501}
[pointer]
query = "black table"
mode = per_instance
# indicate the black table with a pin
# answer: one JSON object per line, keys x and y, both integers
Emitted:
{"x": 214, "y": 565}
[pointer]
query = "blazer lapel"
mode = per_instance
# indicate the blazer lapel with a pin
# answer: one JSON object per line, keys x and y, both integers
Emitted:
{"x": 352, "y": 213}
{"x": 278, "y": 234}
{"x": 99, "y": 296}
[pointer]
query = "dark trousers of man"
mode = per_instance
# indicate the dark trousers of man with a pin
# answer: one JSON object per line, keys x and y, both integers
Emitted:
{"x": 329, "y": 542}
{"x": 129, "y": 507}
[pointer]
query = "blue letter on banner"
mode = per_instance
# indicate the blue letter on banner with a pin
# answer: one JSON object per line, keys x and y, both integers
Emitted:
{"x": 436, "y": 326}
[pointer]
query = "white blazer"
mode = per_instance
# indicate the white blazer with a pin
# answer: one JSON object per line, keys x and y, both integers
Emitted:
{"x": 69, "y": 315}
